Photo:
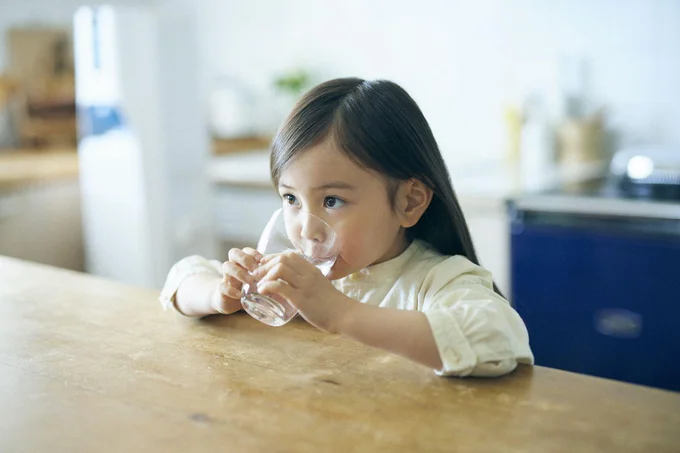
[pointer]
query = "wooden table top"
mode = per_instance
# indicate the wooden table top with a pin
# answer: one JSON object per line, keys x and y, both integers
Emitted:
{"x": 88, "y": 365}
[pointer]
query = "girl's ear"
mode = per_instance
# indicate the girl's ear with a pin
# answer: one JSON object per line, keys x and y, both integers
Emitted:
{"x": 414, "y": 198}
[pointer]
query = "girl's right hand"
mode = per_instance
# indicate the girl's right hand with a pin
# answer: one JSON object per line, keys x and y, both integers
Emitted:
{"x": 236, "y": 272}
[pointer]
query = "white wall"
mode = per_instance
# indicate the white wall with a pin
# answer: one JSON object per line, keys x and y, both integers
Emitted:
{"x": 460, "y": 59}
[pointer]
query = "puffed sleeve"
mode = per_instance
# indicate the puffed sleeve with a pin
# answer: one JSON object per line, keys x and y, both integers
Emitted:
{"x": 477, "y": 332}
{"x": 184, "y": 268}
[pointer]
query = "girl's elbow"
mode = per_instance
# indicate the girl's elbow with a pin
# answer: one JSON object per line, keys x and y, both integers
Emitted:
{"x": 495, "y": 368}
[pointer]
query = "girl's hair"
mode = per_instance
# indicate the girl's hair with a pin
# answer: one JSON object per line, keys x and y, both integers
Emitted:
{"x": 380, "y": 127}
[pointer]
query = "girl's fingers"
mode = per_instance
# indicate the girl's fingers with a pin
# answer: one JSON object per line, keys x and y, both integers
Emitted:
{"x": 226, "y": 304}
{"x": 289, "y": 259}
{"x": 236, "y": 271}
{"x": 277, "y": 287}
{"x": 244, "y": 259}
{"x": 254, "y": 253}
{"x": 290, "y": 256}
{"x": 280, "y": 271}
{"x": 231, "y": 281}
{"x": 229, "y": 291}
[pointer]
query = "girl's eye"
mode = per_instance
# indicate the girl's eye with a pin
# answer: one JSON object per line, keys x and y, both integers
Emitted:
{"x": 332, "y": 202}
{"x": 290, "y": 199}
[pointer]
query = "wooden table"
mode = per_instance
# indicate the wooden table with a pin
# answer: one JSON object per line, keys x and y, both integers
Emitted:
{"x": 88, "y": 365}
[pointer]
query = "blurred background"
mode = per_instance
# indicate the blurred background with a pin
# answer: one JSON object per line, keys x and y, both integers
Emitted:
{"x": 136, "y": 133}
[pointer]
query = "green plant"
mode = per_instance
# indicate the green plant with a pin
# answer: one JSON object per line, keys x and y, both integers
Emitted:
{"x": 293, "y": 83}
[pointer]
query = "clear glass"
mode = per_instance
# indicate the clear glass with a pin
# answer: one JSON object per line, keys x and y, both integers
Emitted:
{"x": 290, "y": 230}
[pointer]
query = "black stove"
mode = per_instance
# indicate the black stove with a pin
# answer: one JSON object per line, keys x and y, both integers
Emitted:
{"x": 610, "y": 187}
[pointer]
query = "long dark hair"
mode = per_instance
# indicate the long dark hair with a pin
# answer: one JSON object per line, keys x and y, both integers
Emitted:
{"x": 380, "y": 127}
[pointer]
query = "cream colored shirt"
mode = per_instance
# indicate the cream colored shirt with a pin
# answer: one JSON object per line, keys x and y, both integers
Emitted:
{"x": 476, "y": 331}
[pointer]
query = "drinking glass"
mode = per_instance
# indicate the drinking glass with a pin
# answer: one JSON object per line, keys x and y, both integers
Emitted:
{"x": 303, "y": 233}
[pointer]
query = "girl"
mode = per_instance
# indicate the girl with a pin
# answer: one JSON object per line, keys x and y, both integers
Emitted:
{"x": 361, "y": 156}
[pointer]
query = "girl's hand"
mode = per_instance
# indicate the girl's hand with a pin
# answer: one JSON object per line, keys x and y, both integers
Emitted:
{"x": 299, "y": 282}
{"x": 235, "y": 274}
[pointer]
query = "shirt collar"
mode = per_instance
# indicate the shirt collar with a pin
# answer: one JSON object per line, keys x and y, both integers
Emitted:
{"x": 386, "y": 270}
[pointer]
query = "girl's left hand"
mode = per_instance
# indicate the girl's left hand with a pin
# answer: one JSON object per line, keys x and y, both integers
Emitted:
{"x": 299, "y": 282}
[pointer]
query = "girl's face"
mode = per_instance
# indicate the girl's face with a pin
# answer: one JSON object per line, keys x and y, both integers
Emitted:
{"x": 352, "y": 200}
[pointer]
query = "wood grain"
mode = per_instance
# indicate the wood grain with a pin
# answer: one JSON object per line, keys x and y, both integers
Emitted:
{"x": 91, "y": 365}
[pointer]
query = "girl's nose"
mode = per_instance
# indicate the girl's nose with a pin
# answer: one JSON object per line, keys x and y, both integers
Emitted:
{"x": 313, "y": 229}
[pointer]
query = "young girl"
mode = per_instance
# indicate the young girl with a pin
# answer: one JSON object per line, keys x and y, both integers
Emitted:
{"x": 361, "y": 156}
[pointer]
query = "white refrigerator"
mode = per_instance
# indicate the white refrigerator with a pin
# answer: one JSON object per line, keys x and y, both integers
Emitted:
{"x": 144, "y": 145}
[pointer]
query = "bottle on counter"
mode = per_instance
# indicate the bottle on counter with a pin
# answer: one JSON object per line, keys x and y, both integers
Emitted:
{"x": 537, "y": 142}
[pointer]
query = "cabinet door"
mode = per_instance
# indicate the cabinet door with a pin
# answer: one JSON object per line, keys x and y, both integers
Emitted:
{"x": 42, "y": 223}
{"x": 489, "y": 229}
{"x": 600, "y": 299}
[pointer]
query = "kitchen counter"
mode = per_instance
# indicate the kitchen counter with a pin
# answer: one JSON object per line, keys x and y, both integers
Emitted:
{"x": 246, "y": 170}
{"x": 20, "y": 167}
{"x": 601, "y": 197}
{"x": 40, "y": 217}
{"x": 620, "y": 207}
{"x": 25, "y": 167}
{"x": 490, "y": 180}
{"x": 91, "y": 365}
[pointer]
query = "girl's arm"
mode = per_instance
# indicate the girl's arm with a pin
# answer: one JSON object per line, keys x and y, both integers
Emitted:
{"x": 405, "y": 333}
{"x": 199, "y": 287}
{"x": 464, "y": 328}
{"x": 402, "y": 332}
{"x": 477, "y": 337}
{"x": 199, "y": 295}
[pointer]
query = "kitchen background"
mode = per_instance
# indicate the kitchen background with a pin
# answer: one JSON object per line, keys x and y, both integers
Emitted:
{"x": 529, "y": 101}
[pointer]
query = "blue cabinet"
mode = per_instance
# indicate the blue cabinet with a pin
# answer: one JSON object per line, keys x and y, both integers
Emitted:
{"x": 600, "y": 295}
